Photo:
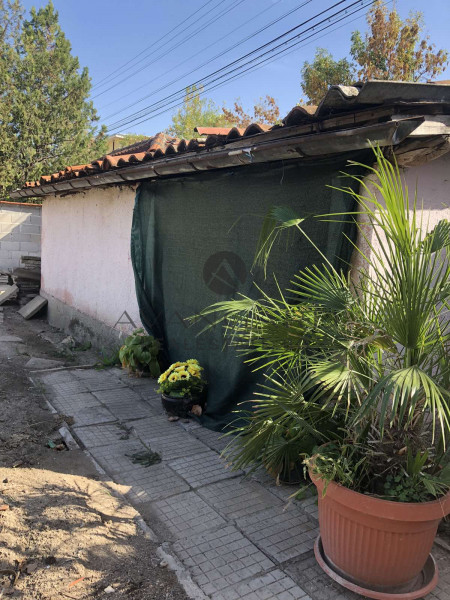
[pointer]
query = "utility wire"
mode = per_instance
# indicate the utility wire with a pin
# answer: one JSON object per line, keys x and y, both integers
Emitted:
{"x": 166, "y": 52}
{"x": 223, "y": 73}
{"x": 201, "y": 81}
{"x": 220, "y": 54}
{"x": 152, "y": 45}
{"x": 272, "y": 59}
{"x": 201, "y": 51}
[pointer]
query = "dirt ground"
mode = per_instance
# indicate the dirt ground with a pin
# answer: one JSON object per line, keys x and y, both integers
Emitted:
{"x": 63, "y": 533}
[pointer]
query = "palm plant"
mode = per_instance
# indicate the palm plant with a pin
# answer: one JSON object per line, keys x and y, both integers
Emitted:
{"x": 368, "y": 348}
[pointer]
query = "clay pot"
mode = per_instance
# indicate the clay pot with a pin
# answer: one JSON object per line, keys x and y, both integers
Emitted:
{"x": 378, "y": 544}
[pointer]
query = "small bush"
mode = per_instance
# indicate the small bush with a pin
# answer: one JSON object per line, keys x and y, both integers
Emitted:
{"x": 139, "y": 354}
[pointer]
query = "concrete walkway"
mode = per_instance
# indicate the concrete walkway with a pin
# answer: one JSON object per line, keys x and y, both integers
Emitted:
{"x": 238, "y": 537}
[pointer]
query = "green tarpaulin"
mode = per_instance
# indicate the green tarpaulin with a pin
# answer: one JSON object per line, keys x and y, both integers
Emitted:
{"x": 193, "y": 242}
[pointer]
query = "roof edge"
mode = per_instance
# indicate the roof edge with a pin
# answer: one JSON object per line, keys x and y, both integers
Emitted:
{"x": 315, "y": 145}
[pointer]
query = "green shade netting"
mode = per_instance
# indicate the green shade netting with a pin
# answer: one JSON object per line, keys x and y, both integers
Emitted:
{"x": 193, "y": 242}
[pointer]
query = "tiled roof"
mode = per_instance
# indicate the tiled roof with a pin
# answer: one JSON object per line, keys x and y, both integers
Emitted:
{"x": 342, "y": 108}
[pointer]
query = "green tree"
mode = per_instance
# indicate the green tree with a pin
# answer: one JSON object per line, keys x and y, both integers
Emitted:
{"x": 46, "y": 119}
{"x": 115, "y": 142}
{"x": 196, "y": 111}
{"x": 322, "y": 72}
{"x": 391, "y": 49}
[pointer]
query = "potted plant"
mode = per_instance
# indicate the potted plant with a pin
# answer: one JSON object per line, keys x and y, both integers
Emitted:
{"x": 274, "y": 435}
{"x": 182, "y": 388}
{"x": 139, "y": 354}
{"x": 371, "y": 345}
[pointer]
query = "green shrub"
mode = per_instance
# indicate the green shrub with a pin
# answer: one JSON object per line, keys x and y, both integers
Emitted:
{"x": 139, "y": 354}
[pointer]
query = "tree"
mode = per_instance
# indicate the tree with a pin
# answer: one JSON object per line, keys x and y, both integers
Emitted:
{"x": 46, "y": 120}
{"x": 323, "y": 72}
{"x": 117, "y": 141}
{"x": 196, "y": 111}
{"x": 265, "y": 112}
{"x": 393, "y": 49}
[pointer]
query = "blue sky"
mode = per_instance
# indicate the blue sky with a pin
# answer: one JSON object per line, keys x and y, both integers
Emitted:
{"x": 106, "y": 35}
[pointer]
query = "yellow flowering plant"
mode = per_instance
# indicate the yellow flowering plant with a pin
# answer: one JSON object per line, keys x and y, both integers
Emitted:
{"x": 182, "y": 380}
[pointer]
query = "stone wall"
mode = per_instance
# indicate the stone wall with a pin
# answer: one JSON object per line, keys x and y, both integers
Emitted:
{"x": 20, "y": 233}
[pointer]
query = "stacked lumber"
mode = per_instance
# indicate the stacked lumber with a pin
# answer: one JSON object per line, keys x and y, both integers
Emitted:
{"x": 28, "y": 278}
{"x": 4, "y": 278}
{"x": 31, "y": 262}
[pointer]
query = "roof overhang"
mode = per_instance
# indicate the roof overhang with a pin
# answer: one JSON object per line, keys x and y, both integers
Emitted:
{"x": 279, "y": 144}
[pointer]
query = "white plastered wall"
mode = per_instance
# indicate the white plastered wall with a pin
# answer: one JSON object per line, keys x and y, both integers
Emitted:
{"x": 432, "y": 181}
{"x": 86, "y": 262}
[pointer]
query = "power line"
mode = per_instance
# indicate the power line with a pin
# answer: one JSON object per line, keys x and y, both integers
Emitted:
{"x": 220, "y": 54}
{"x": 201, "y": 51}
{"x": 166, "y": 52}
{"x": 267, "y": 60}
{"x": 222, "y": 72}
{"x": 152, "y": 45}
{"x": 202, "y": 80}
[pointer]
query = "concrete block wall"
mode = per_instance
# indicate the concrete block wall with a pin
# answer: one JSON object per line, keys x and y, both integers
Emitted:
{"x": 20, "y": 233}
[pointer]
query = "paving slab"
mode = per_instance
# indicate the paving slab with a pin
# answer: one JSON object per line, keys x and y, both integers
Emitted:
{"x": 68, "y": 388}
{"x": 221, "y": 558}
{"x": 7, "y": 292}
{"x": 199, "y": 470}
{"x": 239, "y": 537}
{"x": 33, "y": 307}
{"x": 101, "y": 435}
{"x": 12, "y": 339}
{"x": 137, "y": 382}
{"x": 282, "y": 533}
{"x": 187, "y": 515}
{"x": 93, "y": 415}
{"x": 93, "y": 373}
{"x": 154, "y": 428}
{"x": 43, "y": 363}
{"x": 280, "y": 490}
{"x": 116, "y": 395}
{"x": 213, "y": 439}
{"x": 177, "y": 445}
{"x": 154, "y": 403}
{"x": 74, "y": 403}
{"x": 128, "y": 411}
{"x": 153, "y": 483}
{"x": 236, "y": 498}
{"x": 116, "y": 458}
{"x": 100, "y": 381}
{"x": 56, "y": 377}
{"x": 310, "y": 577}
{"x": 275, "y": 585}
{"x": 309, "y": 505}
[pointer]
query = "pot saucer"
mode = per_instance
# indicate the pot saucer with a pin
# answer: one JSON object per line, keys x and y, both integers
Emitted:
{"x": 425, "y": 583}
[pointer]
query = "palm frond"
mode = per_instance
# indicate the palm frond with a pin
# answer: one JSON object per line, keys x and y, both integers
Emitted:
{"x": 277, "y": 220}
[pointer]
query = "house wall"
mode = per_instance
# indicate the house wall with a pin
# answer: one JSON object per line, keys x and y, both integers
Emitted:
{"x": 20, "y": 233}
{"x": 432, "y": 181}
{"x": 87, "y": 275}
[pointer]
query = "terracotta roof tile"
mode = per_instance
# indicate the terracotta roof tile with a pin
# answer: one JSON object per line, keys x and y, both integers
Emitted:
{"x": 338, "y": 100}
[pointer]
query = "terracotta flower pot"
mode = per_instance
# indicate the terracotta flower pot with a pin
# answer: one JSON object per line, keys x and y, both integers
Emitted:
{"x": 376, "y": 543}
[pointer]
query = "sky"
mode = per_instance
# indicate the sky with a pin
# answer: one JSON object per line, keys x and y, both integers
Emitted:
{"x": 147, "y": 49}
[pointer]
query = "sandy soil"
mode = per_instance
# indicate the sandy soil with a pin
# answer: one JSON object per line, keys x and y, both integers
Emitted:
{"x": 63, "y": 533}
